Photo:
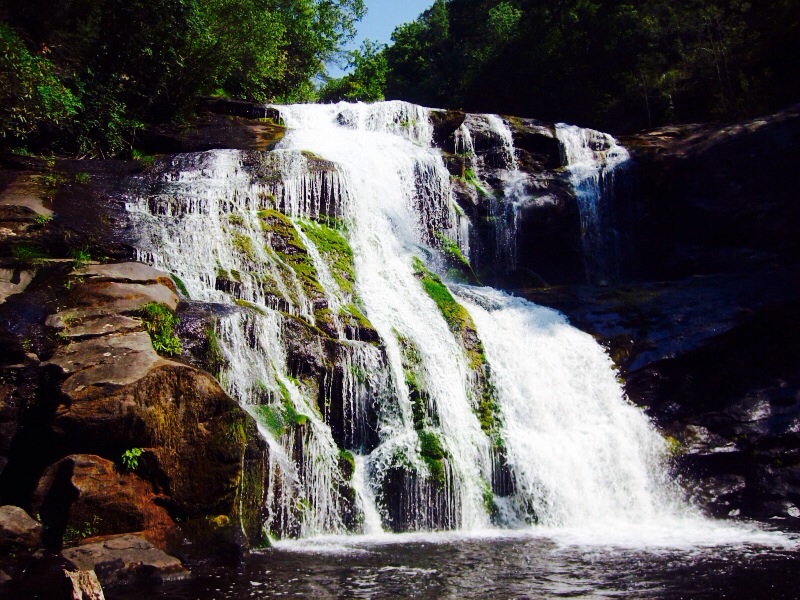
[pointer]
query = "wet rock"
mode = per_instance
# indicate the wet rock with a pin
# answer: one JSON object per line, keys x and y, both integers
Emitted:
{"x": 125, "y": 559}
{"x": 85, "y": 495}
{"x": 18, "y": 531}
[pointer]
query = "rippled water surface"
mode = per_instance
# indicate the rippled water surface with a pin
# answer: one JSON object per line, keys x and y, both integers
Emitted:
{"x": 512, "y": 566}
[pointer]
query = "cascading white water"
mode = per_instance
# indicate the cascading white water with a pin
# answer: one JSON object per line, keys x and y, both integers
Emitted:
{"x": 399, "y": 194}
{"x": 594, "y": 159}
{"x": 580, "y": 453}
{"x": 576, "y": 450}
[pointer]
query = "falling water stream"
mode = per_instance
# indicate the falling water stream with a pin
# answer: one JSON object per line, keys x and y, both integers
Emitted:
{"x": 581, "y": 464}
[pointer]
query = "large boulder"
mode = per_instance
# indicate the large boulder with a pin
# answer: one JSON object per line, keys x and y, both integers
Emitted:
{"x": 84, "y": 495}
{"x": 18, "y": 531}
{"x": 125, "y": 559}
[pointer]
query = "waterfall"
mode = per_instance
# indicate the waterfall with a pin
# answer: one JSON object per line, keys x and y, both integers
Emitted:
{"x": 390, "y": 397}
{"x": 594, "y": 160}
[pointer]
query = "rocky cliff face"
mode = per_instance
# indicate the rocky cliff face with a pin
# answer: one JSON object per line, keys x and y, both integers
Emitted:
{"x": 704, "y": 328}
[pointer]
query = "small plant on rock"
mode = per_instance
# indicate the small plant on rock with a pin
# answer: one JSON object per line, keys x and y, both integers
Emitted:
{"x": 160, "y": 322}
{"x": 80, "y": 257}
{"x": 130, "y": 458}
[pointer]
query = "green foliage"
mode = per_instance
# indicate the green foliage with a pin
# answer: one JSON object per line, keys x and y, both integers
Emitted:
{"x": 603, "y": 62}
{"x": 367, "y": 80}
{"x": 42, "y": 220}
{"x": 76, "y": 533}
{"x": 160, "y": 322}
{"x": 82, "y": 178}
{"x": 107, "y": 67}
{"x": 28, "y": 255}
{"x": 80, "y": 257}
{"x": 146, "y": 160}
{"x": 31, "y": 95}
{"x": 130, "y": 458}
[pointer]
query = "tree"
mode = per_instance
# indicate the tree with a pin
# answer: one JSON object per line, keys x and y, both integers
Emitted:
{"x": 367, "y": 80}
{"x": 31, "y": 95}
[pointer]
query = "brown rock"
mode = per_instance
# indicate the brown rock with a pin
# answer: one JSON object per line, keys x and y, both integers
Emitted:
{"x": 98, "y": 366}
{"x": 81, "y": 329}
{"x": 18, "y": 531}
{"x": 85, "y": 495}
{"x": 126, "y": 559}
{"x": 130, "y": 272}
{"x": 124, "y": 297}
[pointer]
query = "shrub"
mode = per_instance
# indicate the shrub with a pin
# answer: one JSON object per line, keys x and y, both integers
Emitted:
{"x": 160, "y": 322}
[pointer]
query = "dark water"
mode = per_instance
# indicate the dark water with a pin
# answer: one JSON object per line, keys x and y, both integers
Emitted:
{"x": 517, "y": 567}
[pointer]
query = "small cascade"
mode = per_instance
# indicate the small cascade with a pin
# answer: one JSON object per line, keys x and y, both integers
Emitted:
{"x": 595, "y": 161}
{"x": 495, "y": 173}
{"x": 373, "y": 523}
{"x": 305, "y": 493}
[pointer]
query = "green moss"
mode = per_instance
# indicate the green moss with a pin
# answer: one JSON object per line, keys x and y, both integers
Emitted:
{"x": 242, "y": 244}
{"x": 463, "y": 327}
{"x": 470, "y": 178}
{"x": 250, "y": 305}
{"x": 347, "y": 464}
{"x": 335, "y": 250}
{"x": 179, "y": 284}
{"x": 459, "y": 265}
{"x": 236, "y": 219}
{"x": 287, "y": 245}
{"x": 213, "y": 358}
{"x": 357, "y": 317}
{"x": 674, "y": 447}
{"x": 281, "y": 417}
{"x": 432, "y": 454}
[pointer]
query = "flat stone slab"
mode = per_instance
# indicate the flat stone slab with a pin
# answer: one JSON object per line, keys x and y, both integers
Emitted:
{"x": 129, "y": 272}
{"x": 99, "y": 365}
{"x": 14, "y": 281}
{"x": 125, "y": 559}
{"x": 25, "y": 191}
{"x": 82, "y": 329}
{"x": 117, "y": 298}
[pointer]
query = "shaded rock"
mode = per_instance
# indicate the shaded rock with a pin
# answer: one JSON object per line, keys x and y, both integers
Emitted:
{"x": 18, "y": 531}
{"x": 125, "y": 559}
{"x": 14, "y": 281}
{"x": 85, "y": 495}
{"x": 445, "y": 123}
{"x": 83, "y": 585}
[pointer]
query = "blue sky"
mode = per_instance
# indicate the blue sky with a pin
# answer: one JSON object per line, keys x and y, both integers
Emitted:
{"x": 382, "y": 17}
